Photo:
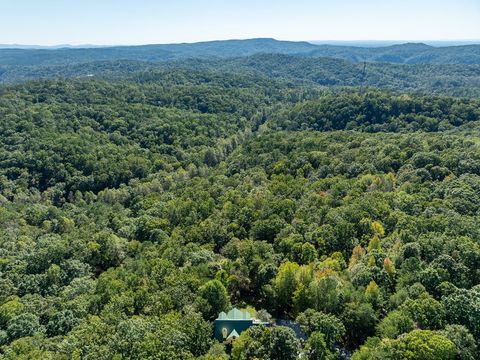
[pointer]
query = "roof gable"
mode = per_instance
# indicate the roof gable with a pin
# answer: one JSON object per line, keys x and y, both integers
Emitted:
{"x": 233, "y": 334}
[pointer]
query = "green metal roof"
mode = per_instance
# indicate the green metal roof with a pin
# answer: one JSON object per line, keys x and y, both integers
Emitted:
{"x": 222, "y": 316}
{"x": 234, "y": 314}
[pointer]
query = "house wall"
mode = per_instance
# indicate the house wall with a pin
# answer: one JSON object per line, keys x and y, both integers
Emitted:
{"x": 230, "y": 325}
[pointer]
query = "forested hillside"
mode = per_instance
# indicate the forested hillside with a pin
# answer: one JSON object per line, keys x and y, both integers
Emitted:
{"x": 410, "y": 53}
{"x": 139, "y": 203}
{"x": 456, "y": 80}
{"x": 215, "y": 49}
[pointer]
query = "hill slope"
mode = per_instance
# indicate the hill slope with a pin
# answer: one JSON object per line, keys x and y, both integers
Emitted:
{"x": 405, "y": 53}
{"x": 441, "y": 79}
{"x": 411, "y": 53}
{"x": 134, "y": 212}
{"x": 218, "y": 49}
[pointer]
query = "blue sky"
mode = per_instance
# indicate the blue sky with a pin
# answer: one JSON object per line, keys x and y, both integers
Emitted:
{"x": 50, "y": 22}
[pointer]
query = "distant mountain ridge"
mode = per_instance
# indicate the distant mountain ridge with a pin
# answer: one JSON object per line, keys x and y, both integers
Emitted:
{"x": 215, "y": 49}
{"x": 409, "y": 53}
{"x": 49, "y": 47}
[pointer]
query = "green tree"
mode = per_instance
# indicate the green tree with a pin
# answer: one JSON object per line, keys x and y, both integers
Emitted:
{"x": 327, "y": 324}
{"x": 424, "y": 344}
{"x": 467, "y": 348}
{"x": 425, "y": 311}
{"x": 415, "y": 345}
{"x": 359, "y": 320}
{"x": 463, "y": 307}
{"x": 316, "y": 347}
{"x": 25, "y": 324}
{"x": 214, "y": 299}
{"x": 250, "y": 344}
{"x": 282, "y": 344}
{"x": 395, "y": 324}
{"x": 286, "y": 284}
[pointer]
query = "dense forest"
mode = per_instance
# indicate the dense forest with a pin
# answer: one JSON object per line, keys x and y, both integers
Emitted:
{"x": 443, "y": 79}
{"x": 410, "y": 53}
{"x": 139, "y": 203}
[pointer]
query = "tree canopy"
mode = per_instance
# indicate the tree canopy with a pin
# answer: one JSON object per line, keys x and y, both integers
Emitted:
{"x": 135, "y": 208}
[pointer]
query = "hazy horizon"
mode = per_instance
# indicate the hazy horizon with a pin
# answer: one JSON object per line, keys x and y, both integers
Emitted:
{"x": 361, "y": 43}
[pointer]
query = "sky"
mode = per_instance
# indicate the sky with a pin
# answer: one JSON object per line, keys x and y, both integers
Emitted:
{"x": 115, "y": 22}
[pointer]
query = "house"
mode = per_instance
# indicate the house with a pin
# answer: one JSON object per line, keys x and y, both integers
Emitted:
{"x": 229, "y": 326}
